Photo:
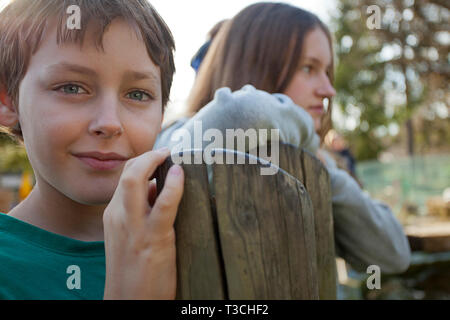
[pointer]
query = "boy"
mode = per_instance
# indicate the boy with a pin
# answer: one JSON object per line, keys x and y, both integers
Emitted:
{"x": 87, "y": 104}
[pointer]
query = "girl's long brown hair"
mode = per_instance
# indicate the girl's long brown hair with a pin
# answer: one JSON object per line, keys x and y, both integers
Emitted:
{"x": 261, "y": 46}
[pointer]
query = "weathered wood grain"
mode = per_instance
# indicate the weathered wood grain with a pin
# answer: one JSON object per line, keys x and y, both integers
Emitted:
{"x": 315, "y": 178}
{"x": 317, "y": 182}
{"x": 249, "y": 236}
{"x": 266, "y": 232}
{"x": 199, "y": 271}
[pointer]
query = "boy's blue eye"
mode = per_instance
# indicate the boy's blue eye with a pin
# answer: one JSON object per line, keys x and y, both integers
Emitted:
{"x": 72, "y": 89}
{"x": 139, "y": 95}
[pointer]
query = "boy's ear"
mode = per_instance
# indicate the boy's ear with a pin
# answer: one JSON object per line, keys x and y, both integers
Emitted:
{"x": 8, "y": 114}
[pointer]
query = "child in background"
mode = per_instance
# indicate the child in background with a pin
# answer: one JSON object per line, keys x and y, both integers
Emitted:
{"x": 271, "y": 67}
{"x": 196, "y": 61}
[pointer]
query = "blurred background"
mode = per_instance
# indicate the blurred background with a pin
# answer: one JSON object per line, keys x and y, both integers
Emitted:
{"x": 391, "y": 119}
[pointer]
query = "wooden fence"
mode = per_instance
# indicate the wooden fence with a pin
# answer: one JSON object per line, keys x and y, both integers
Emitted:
{"x": 252, "y": 236}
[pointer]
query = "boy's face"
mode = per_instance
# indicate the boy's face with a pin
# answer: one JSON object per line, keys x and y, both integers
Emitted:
{"x": 74, "y": 101}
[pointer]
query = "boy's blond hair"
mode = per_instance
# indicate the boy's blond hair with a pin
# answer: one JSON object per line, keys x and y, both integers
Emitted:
{"x": 23, "y": 23}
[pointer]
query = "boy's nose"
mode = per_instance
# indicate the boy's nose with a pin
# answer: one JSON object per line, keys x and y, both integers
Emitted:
{"x": 106, "y": 122}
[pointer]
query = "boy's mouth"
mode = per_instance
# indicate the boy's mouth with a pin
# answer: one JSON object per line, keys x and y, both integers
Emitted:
{"x": 101, "y": 161}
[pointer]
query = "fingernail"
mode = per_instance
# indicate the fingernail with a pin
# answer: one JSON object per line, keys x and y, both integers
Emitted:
{"x": 176, "y": 170}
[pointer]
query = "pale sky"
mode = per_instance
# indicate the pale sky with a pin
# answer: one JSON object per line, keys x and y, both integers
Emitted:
{"x": 191, "y": 20}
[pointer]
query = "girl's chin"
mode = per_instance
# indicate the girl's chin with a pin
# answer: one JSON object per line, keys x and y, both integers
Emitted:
{"x": 317, "y": 124}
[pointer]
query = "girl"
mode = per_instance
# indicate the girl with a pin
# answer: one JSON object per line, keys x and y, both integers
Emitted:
{"x": 283, "y": 57}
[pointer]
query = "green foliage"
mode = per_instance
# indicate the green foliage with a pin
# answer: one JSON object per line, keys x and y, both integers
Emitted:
{"x": 5, "y": 139}
{"x": 13, "y": 158}
{"x": 387, "y": 74}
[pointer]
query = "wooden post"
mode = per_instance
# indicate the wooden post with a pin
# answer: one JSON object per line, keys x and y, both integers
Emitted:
{"x": 199, "y": 270}
{"x": 248, "y": 236}
{"x": 314, "y": 176}
{"x": 266, "y": 232}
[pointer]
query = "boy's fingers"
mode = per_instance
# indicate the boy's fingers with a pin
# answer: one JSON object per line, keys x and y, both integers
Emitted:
{"x": 134, "y": 182}
{"x": 152, "y": 192}
{"x": 142, "y": 167}
{"x": 163, "y": 214}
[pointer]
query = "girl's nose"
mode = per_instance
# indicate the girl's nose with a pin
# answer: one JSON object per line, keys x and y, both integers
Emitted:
{"x": 326, "y": 89}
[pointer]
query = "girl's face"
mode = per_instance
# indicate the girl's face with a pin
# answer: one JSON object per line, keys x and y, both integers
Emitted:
{"x": 311, "y": 85}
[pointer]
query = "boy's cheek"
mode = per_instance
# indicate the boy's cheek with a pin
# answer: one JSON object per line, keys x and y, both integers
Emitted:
{"x": 145, "y": 140}
{"x": 143, "y": 133}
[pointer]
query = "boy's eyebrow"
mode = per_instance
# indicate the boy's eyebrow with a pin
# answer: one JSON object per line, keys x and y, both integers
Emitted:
{"x": 73, "y": 68}
{"x": 133, "y": 75}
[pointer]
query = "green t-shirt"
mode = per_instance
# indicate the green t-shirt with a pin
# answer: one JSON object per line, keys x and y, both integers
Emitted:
{"x": 39, "y": 265}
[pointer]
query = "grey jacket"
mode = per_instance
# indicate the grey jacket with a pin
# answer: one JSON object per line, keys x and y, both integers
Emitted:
{"x": 366, "y": 231}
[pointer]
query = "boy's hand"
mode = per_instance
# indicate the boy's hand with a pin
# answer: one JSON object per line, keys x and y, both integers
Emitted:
{"x": 139, "y": 238}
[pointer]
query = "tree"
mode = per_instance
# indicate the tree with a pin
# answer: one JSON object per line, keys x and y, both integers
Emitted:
{"x": 391, "y": 73}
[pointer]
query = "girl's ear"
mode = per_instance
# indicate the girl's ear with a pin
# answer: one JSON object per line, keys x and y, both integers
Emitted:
{"x": 8, "y": 114}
